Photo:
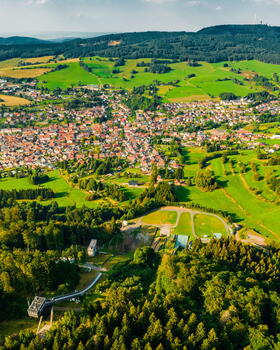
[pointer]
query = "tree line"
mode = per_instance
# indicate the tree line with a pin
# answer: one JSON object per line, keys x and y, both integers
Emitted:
{"x": 214, "y": 44}
{"x": 223, "y": 295}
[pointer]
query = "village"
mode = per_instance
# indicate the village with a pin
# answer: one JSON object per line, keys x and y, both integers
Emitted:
{"x": 42, "y": 135}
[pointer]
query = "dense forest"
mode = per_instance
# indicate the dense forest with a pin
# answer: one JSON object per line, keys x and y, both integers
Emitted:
{"x": 33, "y": 237}
{"x": 214, "y": 44}
{"x": 222, "y": 295}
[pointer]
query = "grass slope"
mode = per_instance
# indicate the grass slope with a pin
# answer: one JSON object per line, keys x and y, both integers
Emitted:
{"x": 210, "y": 80}
{"x": 65, "y": 195}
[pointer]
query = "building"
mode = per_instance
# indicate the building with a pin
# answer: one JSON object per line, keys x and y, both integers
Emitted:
{"x": 92, "y": 247}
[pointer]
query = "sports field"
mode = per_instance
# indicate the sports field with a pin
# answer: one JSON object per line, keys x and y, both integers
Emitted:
{"x": 185, "y": 222}
{"x": 160, "y": 218}
{"x": 207, "y": 225}
{"x": 184, "y": 226}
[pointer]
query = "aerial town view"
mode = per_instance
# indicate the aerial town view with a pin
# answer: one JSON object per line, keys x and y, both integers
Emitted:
{"x": 139, "y": 175}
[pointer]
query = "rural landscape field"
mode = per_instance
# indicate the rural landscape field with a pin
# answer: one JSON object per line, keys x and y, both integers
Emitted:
{"x": 183, "y": 83}
{"x": 139, "y": 177}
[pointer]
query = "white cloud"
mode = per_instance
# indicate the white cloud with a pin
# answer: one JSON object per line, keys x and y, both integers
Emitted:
{"x": 184, "y": 2}
{"x": 37, "y": 2}
{"x": 267, "y": 2}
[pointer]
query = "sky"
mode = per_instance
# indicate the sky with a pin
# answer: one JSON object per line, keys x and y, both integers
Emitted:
{"x": 72, "y": 16}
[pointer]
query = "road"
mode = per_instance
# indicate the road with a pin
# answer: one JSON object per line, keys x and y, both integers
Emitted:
{"x": 76, "y": 294}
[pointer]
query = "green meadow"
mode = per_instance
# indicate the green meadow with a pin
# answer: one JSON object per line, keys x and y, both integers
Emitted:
{"x": 257, "y": 211}
{"x": 209, "y": 80}
{"x": 71, "y": 76}
{"x": 65, "y": 194}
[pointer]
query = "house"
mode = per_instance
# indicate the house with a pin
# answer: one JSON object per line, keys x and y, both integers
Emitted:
{"x": 92, "y": 247}
{"x": 133, "y": 183}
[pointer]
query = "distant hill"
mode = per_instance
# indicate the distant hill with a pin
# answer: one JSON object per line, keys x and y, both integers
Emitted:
{"x": 21, "y": 40}
{"x": 213, "y": 44}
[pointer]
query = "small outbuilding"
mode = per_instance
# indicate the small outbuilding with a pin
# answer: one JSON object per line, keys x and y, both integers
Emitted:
{"x": 92, "y": 247}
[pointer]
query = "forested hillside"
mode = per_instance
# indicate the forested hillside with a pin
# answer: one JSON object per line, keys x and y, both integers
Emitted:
{"x": 217, "y": 296}
{"x": 215, "y": 44}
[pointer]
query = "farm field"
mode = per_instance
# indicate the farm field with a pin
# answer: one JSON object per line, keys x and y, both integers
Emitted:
{"x": 208, "y": 225}
{"x": 209, "y": 81}
{"x": 20, "y": 73}
{"x": 11, "y": 101}
{"x": 71, "y": 76}
{"x": 182, "y": 84}
{"x": 160, "y": 218}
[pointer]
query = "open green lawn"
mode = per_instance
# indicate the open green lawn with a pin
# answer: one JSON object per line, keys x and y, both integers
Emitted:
{"x": 210, "y": 79}
{"x": 234, "y": 195}
{"x": 208, "y": 225}
{"x": 237, "y": 197}
{"x": 184, "y": 226}
{"x": 160, "y": 217}
{"x": 266, "y": 69}
{"x": 73, "y": 75}
{"x": 65, "y": 195}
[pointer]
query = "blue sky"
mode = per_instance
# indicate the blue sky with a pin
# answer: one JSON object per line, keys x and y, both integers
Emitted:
{"x": 38, "y": 16}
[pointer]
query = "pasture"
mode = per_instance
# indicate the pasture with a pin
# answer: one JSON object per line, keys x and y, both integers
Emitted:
{"x": 65, "y": 194}
{"x": 182, "y": 84}
{"x": 257, "y": 211}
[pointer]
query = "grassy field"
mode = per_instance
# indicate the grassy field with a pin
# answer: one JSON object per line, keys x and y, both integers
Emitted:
{"x": 184, "y": 226}
{"x": 208, "y": 225}
{"x": 257, "y": 211}
{"x": 65, "y": 195}
{"x": 200, "y": 87}
{"x": 73, "y": 75}
{"x": 209, "y": 80}
{"x": 160, "y": 218}
{"x": 11, "y": 101}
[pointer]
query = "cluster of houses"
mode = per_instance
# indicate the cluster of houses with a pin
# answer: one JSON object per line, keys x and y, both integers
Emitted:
{"x": 52, "y": 132}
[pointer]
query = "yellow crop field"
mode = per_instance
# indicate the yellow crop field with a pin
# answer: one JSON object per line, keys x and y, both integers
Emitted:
{"x": 11, "y": 101}
{"x": 44, "y": 59}
{"x": 9, "y": 63}
{"x": 23, "y": 73}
